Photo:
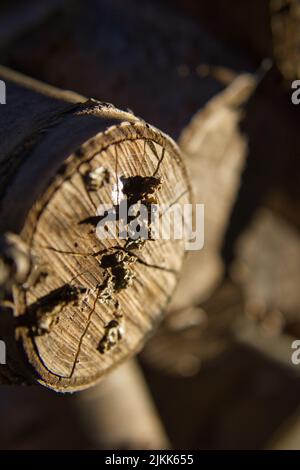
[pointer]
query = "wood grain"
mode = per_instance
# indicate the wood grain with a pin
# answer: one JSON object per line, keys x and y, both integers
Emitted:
{"x": 91, "y": 302}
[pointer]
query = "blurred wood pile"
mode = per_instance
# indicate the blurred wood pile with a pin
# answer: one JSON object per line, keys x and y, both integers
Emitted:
{"x": 217, "y": 77}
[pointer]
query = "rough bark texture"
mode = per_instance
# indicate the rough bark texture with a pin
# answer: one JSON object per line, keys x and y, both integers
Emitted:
{"x": 89, "y": 303}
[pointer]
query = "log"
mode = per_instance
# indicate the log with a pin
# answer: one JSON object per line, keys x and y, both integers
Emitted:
{"x": 215, "y": 153}
{"x": 199, "y": 319}
{"x": 166, "y": 74}
{"x": 237, "y": 170}
{"x": 119, "y": 414}
{"x": 193, "y": 335}
{"x": 182, "y": 66}
{"x": 88, "y": 303}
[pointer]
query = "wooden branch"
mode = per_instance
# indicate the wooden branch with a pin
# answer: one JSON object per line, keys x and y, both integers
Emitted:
{"x": 192, "y": 335}
{"x": 267, "y": 267}
{"x": 119, "y": 414}
{"x": 199, "y": 320}
{"x": 215, "y": 153}
{"x": 89, "y": 303}
{"x": 239, "y": 152}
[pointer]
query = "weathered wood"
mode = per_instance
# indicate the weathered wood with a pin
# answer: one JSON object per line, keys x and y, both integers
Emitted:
{"x": 241, "y": 153}
{"x": 285, "y": 24}
{"x": 190, "y": 336}
{"x": 267, "y": 266}
{"x": 215, "y": 153}
{"x": 119, "y": 414}
{"x": 200, "y": 317}
{"x": 90, "y": 302}
{"x": 182, "y": 69}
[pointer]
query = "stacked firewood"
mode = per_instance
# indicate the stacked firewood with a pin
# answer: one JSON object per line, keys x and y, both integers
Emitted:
{"x": 217, "y": 78}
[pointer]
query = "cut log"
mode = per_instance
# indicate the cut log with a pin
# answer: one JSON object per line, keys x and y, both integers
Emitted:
{"x": 90, "y": 302}
{"x": 180, "y": 65}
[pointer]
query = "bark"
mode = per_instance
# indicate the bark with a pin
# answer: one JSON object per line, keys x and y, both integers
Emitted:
{"x": 88, "y": 303}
